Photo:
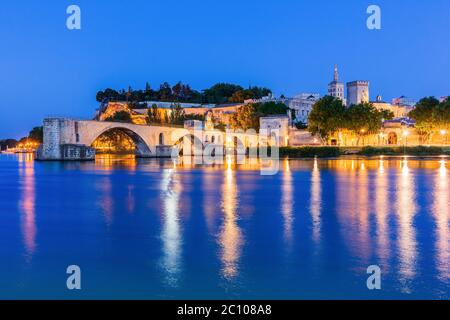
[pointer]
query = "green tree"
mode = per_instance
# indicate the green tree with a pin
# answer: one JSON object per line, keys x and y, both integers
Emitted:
{"x": 120, "y": 116}
{"x": 250, "y": 93}
{"x": 326, "y": 117}
{"x": 247, "y": 116}
{"x": 166, "y": 117}
{"x": 177, "y": 114}
{"x": 363, "y": 119}
{"x": 107, "y": 95}
{"x": 387, "y": 114}
{"x": 220, "y": 93}
{"x": 241, "y": 96}
{"x": 271, "y": 108}
{"x": 153, "y": 114}
{"x": 441, "y": 115}
{"x": 425, "y": 114}
{"x": 37, "y": 134}
{"x": 165, "y": 92}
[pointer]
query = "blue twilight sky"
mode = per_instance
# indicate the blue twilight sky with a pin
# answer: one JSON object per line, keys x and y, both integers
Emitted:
{"x": 289, "y": 46}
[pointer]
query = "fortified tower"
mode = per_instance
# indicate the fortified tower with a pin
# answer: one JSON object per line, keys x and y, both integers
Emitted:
{"x": 357, "y": 92}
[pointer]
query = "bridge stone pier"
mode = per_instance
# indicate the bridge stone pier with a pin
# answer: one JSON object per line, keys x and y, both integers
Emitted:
{"x": 71, "y": 139}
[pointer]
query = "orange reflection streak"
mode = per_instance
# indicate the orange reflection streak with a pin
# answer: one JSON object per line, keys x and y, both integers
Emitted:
{"x": 316, "y": 202}
{"x": 287, "y": 202}
{"x": 363, "y": 213}
{"x": 441, "y": 215}
{"x": 109, "y": 162}
{"x": 353, "y": 207}
{"x": 171, "y": 233}
{"x": 406, "y": 210}
{"x": 230, "y": 237}
{"x": 27, "y": 203}
{"x": 381, "y": 213}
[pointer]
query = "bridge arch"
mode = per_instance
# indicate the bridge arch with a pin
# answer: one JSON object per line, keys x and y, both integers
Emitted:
{"x": 189, "y": 144}
{"x": 140, "y": 146}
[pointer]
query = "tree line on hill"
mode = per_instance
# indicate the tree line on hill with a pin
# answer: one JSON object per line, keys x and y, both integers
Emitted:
{"x": 36, "y": 135}
{"x": 219, "y": 93}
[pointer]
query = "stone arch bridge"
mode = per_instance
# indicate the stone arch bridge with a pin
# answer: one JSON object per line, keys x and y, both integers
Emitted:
{"x": 70, "y": 139}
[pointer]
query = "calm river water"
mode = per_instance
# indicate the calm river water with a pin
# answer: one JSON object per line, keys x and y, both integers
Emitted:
{"x": 152, "y": 229}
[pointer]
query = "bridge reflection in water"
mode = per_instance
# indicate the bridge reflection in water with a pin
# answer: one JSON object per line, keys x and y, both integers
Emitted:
{"x": 358, "y": 212}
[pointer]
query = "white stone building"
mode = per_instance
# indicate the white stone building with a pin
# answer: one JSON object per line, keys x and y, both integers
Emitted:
{"x": 302, "y": 105}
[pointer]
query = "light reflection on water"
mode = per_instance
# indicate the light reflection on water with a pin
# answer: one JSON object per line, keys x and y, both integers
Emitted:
{"x": 230, "y": 235}
{"x": 27, "y": 203}
{"x": 287, "y": 203}
{"x": 171, "y": 233}
{"x": 382, "y": 210}
{"x": 316, "y": 202}
{"x": 441, "y": 214}
{"x": 406, "y": 210}
{"x": 393, "y": 212}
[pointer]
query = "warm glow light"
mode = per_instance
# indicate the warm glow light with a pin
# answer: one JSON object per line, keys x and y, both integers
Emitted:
{"x": 27, "y": 208}
{"x": 405, "y": 133}
{"x": 287, "y": 206}
{"x": 381, "y": 166}
{"x": 443, "y": 132}
{"x": 440, "y": 211}
{"x": 406, "y": 209}
{"x": 316, "y": 202}
{"x": 171, "y": 233}
{"x": 230, "y": 238}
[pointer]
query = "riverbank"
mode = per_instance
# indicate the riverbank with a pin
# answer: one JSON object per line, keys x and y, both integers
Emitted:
{"x": 333, "y": 152}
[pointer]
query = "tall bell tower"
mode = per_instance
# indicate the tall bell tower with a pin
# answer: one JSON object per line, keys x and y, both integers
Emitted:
{"x": 336, "y": 88}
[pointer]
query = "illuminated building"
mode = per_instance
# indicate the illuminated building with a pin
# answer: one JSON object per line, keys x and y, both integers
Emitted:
{"x": 357, "y": 92}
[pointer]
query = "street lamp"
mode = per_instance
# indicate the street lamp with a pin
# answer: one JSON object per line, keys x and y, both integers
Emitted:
{"x": 444, "y": 135}
{"x": 362, "y": 132}
{"x": 406, "y": 134}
